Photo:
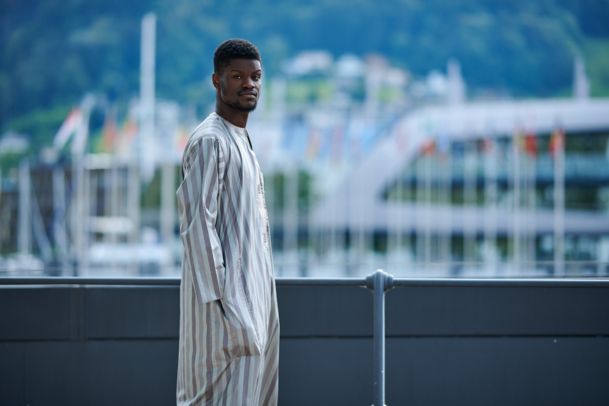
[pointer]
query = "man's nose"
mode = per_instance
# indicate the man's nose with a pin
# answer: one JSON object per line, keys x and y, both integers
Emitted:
{"x": 248, "y": 83}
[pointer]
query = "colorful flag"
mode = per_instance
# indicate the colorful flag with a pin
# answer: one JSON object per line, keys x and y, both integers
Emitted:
{"x": 488, "y": 145}
{"x": 315, "y": 139}
{"x": 108, "y": 137}
{"x": 181, "y": 139}
{"x": 530, "y": 144}
{"x": 429, "y": 146}
{"x": 126, "y": 137}
{"x": 557, "y": 142}
{"x": 518, "y": 140}
{"x": 69, "y": 126}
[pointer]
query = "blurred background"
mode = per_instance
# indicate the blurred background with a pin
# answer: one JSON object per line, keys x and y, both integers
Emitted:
{"x": 430, "y": 139}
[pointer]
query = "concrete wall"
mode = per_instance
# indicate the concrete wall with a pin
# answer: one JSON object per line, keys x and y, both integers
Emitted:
{"x": 91, "y": 345}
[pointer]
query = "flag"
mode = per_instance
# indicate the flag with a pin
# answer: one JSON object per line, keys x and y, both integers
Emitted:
{"x": 126, "y": 137}
{"x": 180, "y": 140}
{"x": 518, "y": 140}
{"x": 315, "y": 139}
{"x": 108, "y": 137}
{"x": 488, "y": 145}
{"x": 429, "y": 146}
{"x": 69, "y": 126}
{"x": 557, "y": 142}
{"x": 530, "y": 144}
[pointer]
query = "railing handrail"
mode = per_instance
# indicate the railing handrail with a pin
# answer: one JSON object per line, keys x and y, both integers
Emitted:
{"x": 283, "y": 281}
{"x": 379, "y": 282}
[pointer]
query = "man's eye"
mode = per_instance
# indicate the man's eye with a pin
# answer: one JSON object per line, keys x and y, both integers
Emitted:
{"x": 237, "y": 77}
{"x": 256, "y": 77}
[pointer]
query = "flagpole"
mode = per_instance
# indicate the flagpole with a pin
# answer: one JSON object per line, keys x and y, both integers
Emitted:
{"x": 24, "y": 236}
{"x": 353, "y": 231}
{"x": 133, "y": 208}
{"x": 59, "y": 229}
{"x": 428, "y": 211}
{"x": 75, "y": 211}
{"x": 114, "y": 199}
{"x": 309, "y": 223}
{"x": 559, "y": 204}
{"x": 421, "y": 220}
{"x": 168, "y": 188}
{"x": 39, "y": 231}
{"x": 532, "y": 204}
{"x": 397, "y": 245}
{"x": 516, "y": 201}
{"x": 400, "y": 245}
{"x": 490, "y": 223}
{"x": 445, "y": 193}
{"x": 80, "y": 217}
{"x": 469, "y": 200}
{"x": 290, "y": 214}
{"x": 362, "y": 237}
{"x": 147, "y": 137}
{"x": 406, "y": 238}
{"x": 86, "y": 214}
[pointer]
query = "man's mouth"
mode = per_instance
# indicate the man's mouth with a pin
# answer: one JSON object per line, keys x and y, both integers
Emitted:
{"x": 246, "y": 94}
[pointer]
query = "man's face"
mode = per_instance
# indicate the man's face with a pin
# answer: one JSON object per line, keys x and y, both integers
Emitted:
{"x": 239, "y": 84}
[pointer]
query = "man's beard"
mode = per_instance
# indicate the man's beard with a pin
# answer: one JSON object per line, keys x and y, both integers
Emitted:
{"x": 238, "y": 106}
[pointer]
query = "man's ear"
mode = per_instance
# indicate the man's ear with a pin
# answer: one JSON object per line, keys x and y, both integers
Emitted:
{"x": 215, "y": 78}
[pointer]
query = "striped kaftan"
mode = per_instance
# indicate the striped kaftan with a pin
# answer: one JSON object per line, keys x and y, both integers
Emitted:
{"x": 229, "y": 325}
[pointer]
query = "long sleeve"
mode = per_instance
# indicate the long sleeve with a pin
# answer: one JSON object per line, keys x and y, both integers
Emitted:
{"x": 198, "y": 195}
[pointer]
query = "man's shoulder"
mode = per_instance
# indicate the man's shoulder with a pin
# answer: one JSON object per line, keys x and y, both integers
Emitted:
{"x": 211, "y": 127}
{"x": 210, "y": 130}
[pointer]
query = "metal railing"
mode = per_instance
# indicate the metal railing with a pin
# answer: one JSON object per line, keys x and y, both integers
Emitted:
{"x": 378, "y": 282}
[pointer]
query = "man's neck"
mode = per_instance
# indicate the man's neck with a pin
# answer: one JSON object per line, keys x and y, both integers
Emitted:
{"x": 235, "y": 117}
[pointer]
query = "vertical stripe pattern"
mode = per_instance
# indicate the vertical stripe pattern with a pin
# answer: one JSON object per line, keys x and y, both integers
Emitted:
{"x": 229, "y": 324}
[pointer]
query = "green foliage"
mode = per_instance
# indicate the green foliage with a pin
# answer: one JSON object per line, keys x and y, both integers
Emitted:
{"x": 52, "y": 52}
{"x": 8, "y": 162}
{"x": 308, "y": 90}
{"x": 306, "y": 194}
{"x": 41, "y": 125}
{"x": 597, "y": 58}
{"x": 389, "y": 94}
{"x": 276, "y": 183}
{"x": 151, "y": 192}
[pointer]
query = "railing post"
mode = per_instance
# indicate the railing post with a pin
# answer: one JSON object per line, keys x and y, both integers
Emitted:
{"x": 379, "y": 282}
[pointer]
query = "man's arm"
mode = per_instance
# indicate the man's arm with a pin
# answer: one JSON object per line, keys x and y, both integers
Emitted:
{"x": 198, "y": 207}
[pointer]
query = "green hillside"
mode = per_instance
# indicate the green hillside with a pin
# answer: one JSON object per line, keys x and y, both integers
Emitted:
{"x": 51, "y": 51}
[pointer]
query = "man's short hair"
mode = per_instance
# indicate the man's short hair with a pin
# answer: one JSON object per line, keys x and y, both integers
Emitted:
{"x": 234, "y": 49}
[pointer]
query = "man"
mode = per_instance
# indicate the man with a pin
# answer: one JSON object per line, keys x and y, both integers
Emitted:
{"x": 229, "y": 325}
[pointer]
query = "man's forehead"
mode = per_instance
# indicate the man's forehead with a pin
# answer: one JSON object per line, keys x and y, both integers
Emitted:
{"x": 244, "y": 64}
